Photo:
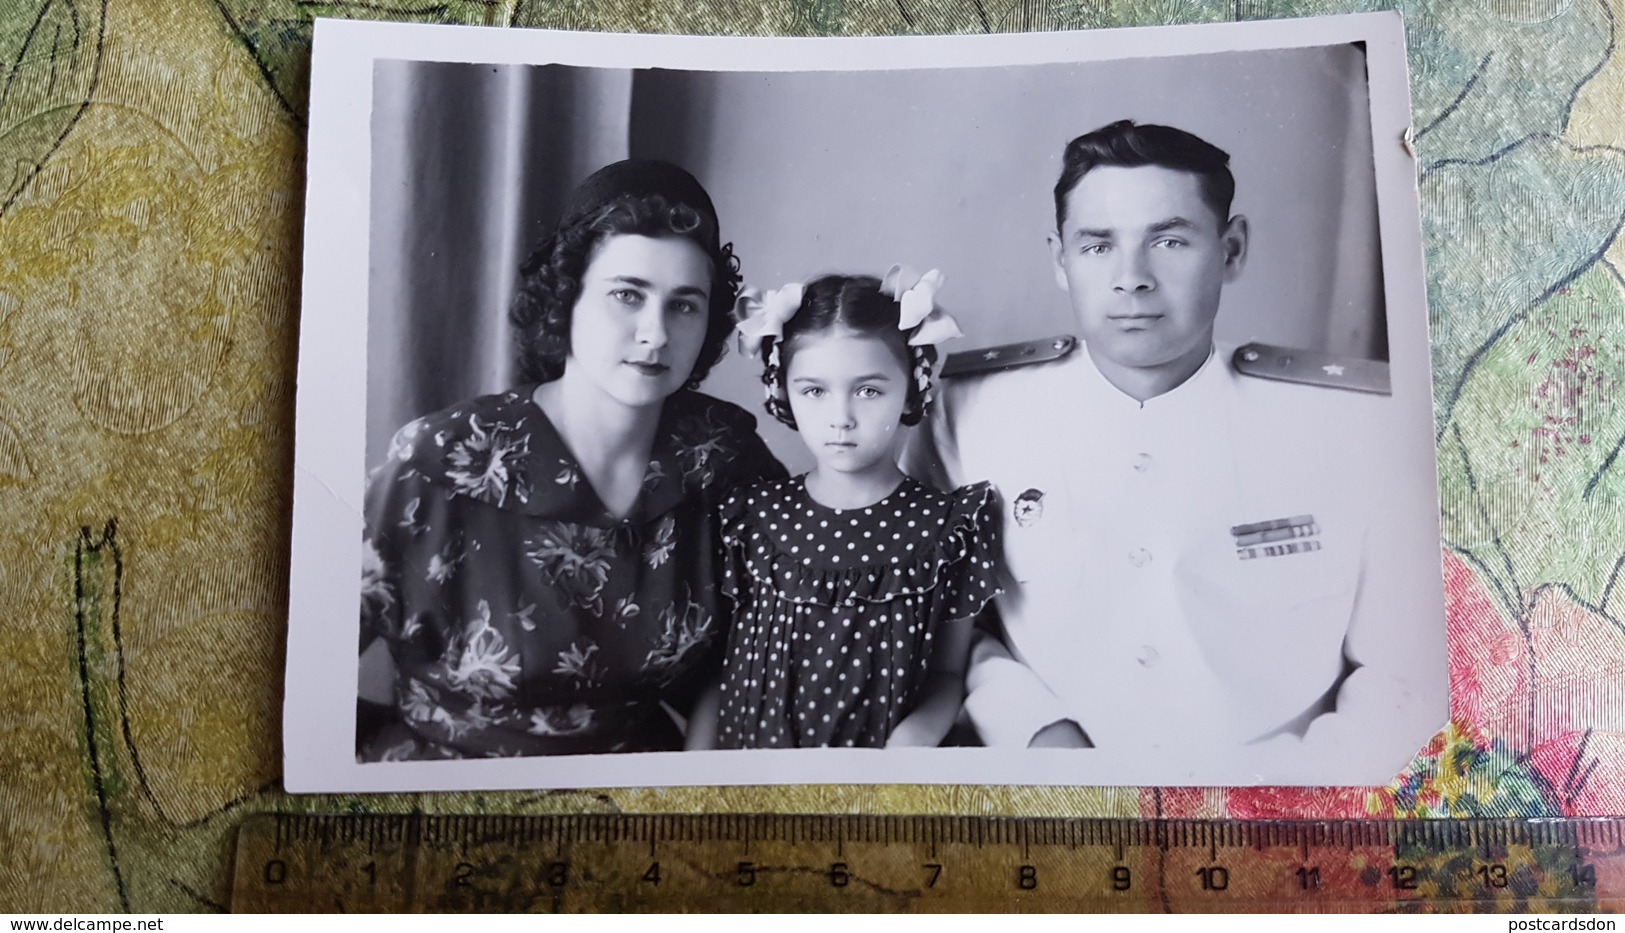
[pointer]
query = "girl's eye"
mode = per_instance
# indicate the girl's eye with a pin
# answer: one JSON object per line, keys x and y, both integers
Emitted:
{"x": 869, "y": 392}
{"x": 626, "y": 296}
{"x": 812, "y": 392}
{"x": 685, "y": 307}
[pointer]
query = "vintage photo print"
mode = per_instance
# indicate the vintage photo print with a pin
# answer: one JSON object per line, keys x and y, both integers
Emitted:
{"x": 1029, "y": 409}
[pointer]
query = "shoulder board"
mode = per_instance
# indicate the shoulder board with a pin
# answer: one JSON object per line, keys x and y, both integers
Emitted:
{"x": 1310, "y": 367}
{"x": 1007, "y": 356}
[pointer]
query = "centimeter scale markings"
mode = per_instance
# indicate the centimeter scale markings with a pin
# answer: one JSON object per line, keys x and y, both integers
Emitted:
{"x": 711, "y": 862}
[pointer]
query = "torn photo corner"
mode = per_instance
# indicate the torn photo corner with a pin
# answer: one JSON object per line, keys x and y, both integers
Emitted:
{"x": 1166, "y": 513}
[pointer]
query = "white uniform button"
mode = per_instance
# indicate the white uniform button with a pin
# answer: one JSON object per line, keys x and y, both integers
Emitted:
{"x": 1142, "y": 462}
{"x": 1147, "y": 656}
{"x": 1139, "y": 557}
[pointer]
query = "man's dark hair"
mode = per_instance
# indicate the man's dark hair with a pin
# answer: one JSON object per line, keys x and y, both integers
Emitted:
{"x": 1131, "y": 145}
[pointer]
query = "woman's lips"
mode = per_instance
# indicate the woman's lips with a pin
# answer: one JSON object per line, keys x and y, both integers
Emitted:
{"x": 648, "y": 368}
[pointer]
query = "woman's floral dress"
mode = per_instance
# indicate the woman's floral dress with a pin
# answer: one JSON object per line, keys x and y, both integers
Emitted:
{"x": 836, "y": 609}
{"x": 523, "y": 618}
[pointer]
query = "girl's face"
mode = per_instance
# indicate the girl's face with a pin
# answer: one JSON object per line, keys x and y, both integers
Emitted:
{"x": 847, "y": 392}
{"x": 637, "y": 328}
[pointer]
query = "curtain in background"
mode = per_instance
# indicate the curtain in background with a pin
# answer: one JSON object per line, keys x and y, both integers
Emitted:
{"x": 470, "y": 166}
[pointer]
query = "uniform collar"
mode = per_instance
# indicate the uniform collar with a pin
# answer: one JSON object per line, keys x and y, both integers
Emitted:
{"x": 1193, "y": 395}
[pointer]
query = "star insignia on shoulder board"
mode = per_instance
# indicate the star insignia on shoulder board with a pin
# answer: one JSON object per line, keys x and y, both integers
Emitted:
{"x": 1008, "y": 356}
{"x": 1312, "y": 368}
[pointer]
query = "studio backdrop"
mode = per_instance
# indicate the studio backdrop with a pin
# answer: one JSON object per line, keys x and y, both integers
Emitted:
{"x": 817, "y": 172}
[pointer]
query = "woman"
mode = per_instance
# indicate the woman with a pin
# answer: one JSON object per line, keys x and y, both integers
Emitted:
{"x": 538, "y": 569}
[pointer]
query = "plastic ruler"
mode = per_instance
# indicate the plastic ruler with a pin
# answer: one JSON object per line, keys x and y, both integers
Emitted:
{"x": 711, "y": 862}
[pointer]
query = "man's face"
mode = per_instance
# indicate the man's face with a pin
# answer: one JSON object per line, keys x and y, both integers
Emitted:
{"x": 1144, "y": 259}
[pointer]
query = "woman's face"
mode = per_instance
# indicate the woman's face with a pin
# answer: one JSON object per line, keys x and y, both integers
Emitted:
{"x": 638, "y": 325}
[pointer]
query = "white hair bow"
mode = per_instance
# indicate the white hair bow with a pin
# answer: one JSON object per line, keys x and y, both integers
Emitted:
{"x": 762, "y": 315}
{"x": 927, "y": 324}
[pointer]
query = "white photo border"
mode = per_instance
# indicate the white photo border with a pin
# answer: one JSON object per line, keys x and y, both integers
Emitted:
{"x": 329, "y": 467}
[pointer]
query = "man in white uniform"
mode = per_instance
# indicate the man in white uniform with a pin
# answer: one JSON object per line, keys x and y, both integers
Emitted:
{"x": 1194, "y": 544}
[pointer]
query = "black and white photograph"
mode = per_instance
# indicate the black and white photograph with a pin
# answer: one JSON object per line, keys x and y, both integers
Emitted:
{"x": 1024, "y": 409}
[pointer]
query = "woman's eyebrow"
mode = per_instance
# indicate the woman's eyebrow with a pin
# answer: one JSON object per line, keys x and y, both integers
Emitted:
{"x": 637, "y": 282}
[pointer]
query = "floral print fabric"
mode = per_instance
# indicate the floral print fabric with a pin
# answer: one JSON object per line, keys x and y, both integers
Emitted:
{"x": 837, "y": 609}
{"x": 521, "y": 616}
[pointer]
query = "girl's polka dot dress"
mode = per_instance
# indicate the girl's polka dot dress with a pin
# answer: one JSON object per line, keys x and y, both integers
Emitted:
{"x": 836, "y": 609}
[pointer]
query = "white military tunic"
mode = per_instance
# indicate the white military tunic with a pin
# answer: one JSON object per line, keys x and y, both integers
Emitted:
{"x": 1141, "y": 605}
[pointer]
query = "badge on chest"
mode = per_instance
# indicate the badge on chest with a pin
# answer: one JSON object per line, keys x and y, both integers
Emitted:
{"x": 1028, "y": 507}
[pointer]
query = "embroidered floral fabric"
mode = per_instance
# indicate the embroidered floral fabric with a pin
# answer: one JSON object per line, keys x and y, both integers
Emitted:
{"x": 523, "y": 618}
{"x": 837, "y": 608}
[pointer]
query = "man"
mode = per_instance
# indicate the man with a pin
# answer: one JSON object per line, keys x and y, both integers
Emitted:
{"x": 1195, "y": 553}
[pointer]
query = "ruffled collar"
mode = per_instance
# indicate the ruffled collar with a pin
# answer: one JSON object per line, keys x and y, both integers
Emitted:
{"x": 970, "y": 529}
{"x": 795, "y": 491}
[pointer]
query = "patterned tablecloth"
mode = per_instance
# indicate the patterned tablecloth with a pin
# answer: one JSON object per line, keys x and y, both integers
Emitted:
{"x": 150, "y": 187}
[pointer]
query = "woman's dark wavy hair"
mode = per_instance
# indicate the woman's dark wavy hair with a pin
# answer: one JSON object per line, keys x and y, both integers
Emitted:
{"x": 854, "y": 303}
{"x": 550, "y": 280}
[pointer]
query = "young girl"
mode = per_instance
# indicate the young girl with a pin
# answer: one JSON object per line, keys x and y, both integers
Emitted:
{"x": 854, "y": 587}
